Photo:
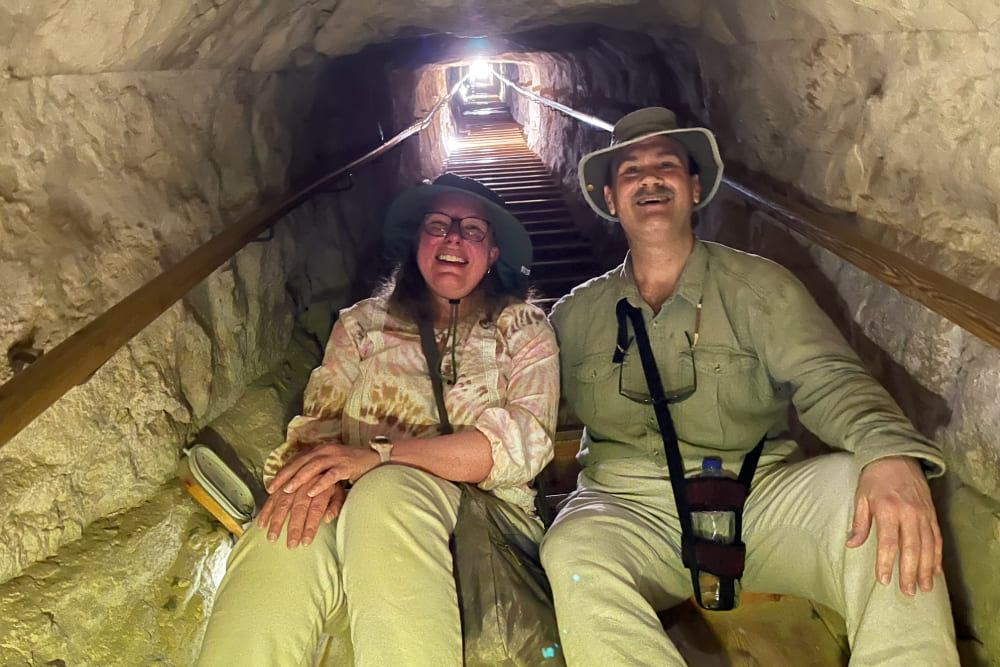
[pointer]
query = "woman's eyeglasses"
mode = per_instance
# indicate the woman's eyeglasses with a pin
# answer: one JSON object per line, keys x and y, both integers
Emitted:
{"x": 673, "y": 396}
{"x": 470, "y": 229}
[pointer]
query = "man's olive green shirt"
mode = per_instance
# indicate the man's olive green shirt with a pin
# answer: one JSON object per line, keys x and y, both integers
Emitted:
{"x": 763, "y": 343}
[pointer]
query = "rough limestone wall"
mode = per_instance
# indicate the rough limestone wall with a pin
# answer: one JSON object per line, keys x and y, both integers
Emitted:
{"x": 891, "y": 118}
{"x": 426, "y": 154}
{"x": 110, "y": 179}
{"x": 128, "y": 596}
{"x": 794, "y": 109}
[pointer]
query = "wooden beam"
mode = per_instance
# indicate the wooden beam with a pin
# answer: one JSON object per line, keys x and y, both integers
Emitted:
{"x": 974, "y": 312}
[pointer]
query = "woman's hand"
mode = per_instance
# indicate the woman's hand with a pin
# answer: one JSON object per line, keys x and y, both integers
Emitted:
{"x": 317, "y": 470}
{"x": 303, "y": 512}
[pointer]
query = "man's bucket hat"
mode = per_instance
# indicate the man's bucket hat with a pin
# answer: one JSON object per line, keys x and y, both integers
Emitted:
{"x": 401, "y": 222}
{"x": 638, "y": 126}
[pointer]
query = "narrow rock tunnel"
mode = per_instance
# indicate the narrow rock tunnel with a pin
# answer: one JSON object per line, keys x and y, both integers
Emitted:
{"x": 133, "y": 134}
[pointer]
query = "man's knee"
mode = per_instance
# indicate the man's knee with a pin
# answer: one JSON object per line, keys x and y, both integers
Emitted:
{"x": 565, "y": 542}
{"x": 584, "y": 547}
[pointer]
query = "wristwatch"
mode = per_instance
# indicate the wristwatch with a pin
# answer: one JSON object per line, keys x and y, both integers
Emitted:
{"x": 383, "y": 446}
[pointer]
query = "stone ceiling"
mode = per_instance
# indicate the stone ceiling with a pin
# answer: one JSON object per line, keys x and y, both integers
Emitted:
{"x": 48, "y": 37}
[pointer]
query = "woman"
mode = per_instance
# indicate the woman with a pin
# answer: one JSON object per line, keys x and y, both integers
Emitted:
{"x": 371, "y": 419}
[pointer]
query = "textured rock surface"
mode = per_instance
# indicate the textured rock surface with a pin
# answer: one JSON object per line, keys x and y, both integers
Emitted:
{"x": 878, "y": 124}
{"x": 119, "y": 176}
{"x": 972, "y": 553}
{"x": 134, "y": 590}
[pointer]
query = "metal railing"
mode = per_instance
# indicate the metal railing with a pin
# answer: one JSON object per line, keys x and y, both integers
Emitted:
{"x": 974, "y": 312}
{"x": 77, "y": 358}
{"x": 579, "y": 115}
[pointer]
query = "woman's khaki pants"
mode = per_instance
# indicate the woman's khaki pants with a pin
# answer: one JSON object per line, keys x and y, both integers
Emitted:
{"x": 381, "y": 575}
{"x": 613, "y": 559}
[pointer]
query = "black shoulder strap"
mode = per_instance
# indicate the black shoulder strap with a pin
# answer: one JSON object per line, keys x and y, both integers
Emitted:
{"x": 749, "y": 466}
{"x": 433, "y": 358}
{"x": 674, "y": 462}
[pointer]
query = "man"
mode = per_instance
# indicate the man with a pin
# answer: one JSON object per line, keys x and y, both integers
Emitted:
{"x": 746, "y": 336}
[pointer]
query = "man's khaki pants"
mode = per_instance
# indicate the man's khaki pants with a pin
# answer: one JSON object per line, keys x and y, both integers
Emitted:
{"x": 613, "y": 559}
{"x": 381, "y": 574}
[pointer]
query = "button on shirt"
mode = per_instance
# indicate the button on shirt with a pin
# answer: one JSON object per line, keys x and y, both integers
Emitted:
{"x": 764, "y": 343}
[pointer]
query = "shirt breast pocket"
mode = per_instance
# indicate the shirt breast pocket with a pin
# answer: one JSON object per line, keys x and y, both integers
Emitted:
{"x": 592, "y": 391}
{"x": 730, "y": 403}
{"x": 590, "y": 384}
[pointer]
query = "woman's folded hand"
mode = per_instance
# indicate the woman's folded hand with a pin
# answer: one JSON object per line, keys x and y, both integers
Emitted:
{"x": 303, "y": 512}
{"x": 318, "y": 469}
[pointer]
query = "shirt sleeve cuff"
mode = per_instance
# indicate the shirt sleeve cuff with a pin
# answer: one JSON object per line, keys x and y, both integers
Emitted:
{"x": 930, "y": 458}
{"x": 517, "y": 457}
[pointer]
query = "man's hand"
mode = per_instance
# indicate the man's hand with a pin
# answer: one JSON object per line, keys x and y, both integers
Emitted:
{"x": 321, "y": 467}
{"x": 303, "y": 512}
{"x": 894, "y": 493}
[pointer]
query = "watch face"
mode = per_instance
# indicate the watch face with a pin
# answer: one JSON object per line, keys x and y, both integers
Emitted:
{"x": 383, "y": 446}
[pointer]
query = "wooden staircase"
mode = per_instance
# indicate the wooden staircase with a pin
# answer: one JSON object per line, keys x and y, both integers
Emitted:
{"x": 491, "y": 149}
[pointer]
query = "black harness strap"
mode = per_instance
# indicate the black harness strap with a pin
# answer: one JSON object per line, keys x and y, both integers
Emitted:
{"x": 433, "y": 357}
{"x": 691, "y": 546}
{"x": 674, "y": 462}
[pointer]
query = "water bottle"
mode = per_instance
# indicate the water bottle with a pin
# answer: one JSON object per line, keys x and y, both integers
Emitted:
{"x": 718, "y": 526}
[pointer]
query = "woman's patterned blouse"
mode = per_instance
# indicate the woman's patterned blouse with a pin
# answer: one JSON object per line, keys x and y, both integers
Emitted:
{"x": 374, "y": 380}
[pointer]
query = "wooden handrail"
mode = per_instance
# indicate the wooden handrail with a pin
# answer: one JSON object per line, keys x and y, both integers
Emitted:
{"x": 77, "y": 358}
{"x": 974, "y": 312}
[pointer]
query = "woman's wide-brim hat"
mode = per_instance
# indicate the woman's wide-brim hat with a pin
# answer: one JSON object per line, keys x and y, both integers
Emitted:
{"x": 639, "y": 126}
{"x": 405, "y": 213}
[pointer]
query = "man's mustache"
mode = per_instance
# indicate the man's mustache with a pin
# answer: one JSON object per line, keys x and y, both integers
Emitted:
{"x": 654, "y": 191}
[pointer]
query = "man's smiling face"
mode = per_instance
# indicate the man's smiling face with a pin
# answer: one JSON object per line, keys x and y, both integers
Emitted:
{"x": 651, "y": 186}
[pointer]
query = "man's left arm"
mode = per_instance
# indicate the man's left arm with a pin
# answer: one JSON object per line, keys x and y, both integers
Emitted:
{"x": 838, "y": 400}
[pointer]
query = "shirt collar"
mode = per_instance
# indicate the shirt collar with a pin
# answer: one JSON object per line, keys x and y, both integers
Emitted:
{"x": 689, "y": 284}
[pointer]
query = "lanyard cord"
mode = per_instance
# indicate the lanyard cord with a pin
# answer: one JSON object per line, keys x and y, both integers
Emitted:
{"x": 433, "y": 357}
{"x": 453, "y": 337}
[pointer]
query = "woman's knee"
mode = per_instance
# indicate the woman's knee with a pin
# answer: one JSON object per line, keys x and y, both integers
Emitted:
{"x": 392, "y": 486}
{"x": 396, "y": 498}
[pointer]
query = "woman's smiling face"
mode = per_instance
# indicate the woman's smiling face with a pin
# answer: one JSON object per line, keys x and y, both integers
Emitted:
{"x": 451, "y": 265}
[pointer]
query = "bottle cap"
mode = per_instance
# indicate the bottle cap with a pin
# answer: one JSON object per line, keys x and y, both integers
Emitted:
{"x": 711, "y": 463}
